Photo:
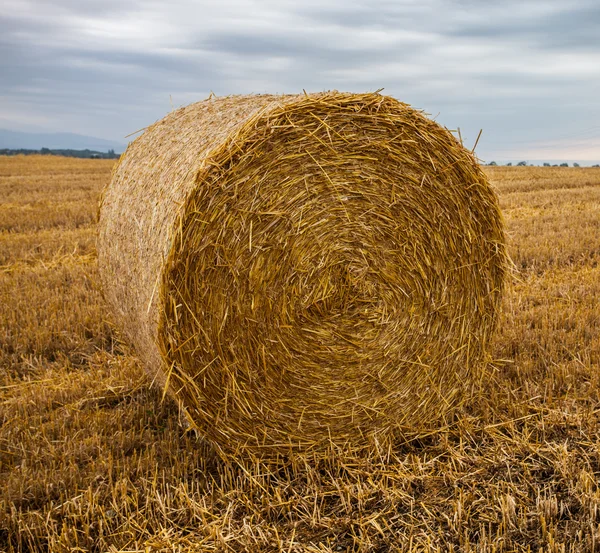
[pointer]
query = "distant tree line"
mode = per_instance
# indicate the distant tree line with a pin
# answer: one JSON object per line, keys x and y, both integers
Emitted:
{"x": 524, "y": 164}
{"x": 87, "y": 154}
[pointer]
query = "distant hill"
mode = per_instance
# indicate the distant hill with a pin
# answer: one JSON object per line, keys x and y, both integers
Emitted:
{"x": 15, "y": 140}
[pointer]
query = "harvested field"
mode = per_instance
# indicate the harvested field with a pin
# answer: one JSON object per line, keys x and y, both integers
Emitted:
{"x": 92, "y": 459}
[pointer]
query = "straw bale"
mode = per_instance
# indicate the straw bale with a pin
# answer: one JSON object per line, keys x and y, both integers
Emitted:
{"x": 302, "y": 271}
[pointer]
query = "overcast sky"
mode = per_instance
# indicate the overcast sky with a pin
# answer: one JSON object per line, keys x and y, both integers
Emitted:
{"x": 526, "y": 72}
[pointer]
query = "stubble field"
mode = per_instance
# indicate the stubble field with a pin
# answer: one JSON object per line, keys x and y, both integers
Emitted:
{"x": 92, "y": 459}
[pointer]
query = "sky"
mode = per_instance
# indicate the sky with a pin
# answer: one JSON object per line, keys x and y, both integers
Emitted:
{"x": 526, "y": 72}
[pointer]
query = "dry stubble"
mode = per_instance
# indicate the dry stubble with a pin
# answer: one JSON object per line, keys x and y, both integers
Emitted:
{"x": 91, "y": 458}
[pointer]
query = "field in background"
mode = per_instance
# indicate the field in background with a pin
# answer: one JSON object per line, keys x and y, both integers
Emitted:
{"x": 91, "y": 458}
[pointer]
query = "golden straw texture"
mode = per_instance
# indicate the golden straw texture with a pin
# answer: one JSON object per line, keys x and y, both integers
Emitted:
{"x": 302, "y": 271}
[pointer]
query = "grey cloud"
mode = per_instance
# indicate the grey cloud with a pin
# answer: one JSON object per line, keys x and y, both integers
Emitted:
{"x": 391, "y": 15}
{"x": 106, "y": 7}
{"x": 315, "y": 52}
{"x": 574, "y": 28}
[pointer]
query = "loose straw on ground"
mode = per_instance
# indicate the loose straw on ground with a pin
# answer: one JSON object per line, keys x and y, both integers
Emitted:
{"x": 304, "y": 271}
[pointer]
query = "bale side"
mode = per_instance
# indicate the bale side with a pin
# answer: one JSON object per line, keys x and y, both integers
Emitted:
{"x": 140, "y": 206}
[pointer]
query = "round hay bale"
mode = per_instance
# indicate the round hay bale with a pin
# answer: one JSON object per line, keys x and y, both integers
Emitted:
{"x": 301, "y": 271}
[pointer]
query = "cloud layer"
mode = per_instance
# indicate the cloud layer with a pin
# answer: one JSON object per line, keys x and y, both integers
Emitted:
{"x": 526, "y": 72}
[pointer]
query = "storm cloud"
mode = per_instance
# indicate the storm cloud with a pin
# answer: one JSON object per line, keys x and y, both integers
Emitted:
{"x": 526, "y": 72}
